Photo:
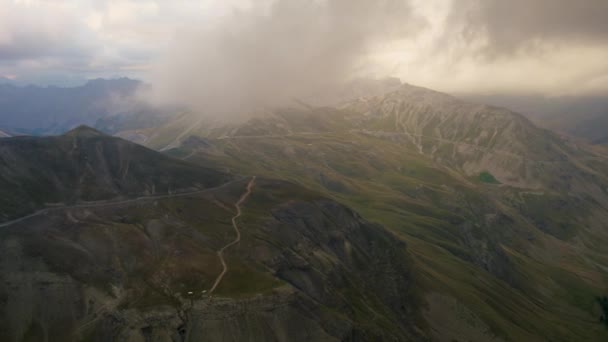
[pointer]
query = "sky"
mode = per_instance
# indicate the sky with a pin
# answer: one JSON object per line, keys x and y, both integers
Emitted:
{"x": 260, "y": 49}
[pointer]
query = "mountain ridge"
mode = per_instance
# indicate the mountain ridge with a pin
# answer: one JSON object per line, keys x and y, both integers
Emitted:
{"x": 87, "y": 165}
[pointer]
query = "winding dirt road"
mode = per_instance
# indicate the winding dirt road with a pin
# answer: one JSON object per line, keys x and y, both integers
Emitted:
{"x": 220, "y": 253}
{"x": 109, "y": 203}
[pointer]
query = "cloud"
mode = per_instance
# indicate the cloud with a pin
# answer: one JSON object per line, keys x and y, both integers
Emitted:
{"x": 45, "y": 30}
{"x": 549, "y": 47}
{"x": 274, "y": 51}
{"x": 504, "y": 28}
{"x": 264, "y": 52}
{"x": 67, "y": 41}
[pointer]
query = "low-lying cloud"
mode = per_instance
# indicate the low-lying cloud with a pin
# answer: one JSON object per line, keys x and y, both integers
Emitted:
{"x": 261, "y": 52}
{"x": 273, "y": 52}
{"x": 504, "y": 28}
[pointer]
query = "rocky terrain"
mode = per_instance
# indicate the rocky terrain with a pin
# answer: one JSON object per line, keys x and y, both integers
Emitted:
{"x": 306, "y": 268}
{"x": 468, "y": 223}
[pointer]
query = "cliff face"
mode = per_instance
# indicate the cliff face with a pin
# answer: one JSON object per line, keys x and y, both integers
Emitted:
{"x": 306, "y": 269}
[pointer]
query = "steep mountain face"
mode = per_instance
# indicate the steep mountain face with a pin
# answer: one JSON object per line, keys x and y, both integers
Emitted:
{"x": 4, "y": 135}
{"x": 86, "y": 165}
{"x": 505, "y": 221}
{"x": 145, "y": 266}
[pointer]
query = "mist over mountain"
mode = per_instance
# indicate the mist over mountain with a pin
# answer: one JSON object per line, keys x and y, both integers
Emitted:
{"x": 52, "y": 110}
{"x": 270, "y": 53}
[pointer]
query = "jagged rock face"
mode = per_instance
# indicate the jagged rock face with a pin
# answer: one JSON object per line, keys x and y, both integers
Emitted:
{"x": 306, "y": 269}
{"x": 336, "y": 258}
{"x": 327, "y": 240}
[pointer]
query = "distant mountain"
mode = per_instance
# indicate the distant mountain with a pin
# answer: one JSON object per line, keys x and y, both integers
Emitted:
{"x": 53, "y": 110}
{"x": 4, "y": 134}
{"x": 584, "y": 117}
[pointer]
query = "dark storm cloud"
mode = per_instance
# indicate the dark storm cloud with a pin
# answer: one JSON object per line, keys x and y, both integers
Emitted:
{"x": 504, "y": 27}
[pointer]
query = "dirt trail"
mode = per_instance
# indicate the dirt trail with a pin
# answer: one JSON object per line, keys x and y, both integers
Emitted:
{"x": 109, "y": 203}
{"x": 220, "y": 253}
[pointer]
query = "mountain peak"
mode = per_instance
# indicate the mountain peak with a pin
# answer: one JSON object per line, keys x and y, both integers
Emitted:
{"x": 83, "y": 131}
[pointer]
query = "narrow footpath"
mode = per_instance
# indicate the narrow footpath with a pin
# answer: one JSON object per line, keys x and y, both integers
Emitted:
{"x": 220, "y": 253}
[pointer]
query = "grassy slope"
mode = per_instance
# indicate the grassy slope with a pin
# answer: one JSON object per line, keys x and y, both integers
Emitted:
{"x": 151, "y": 254}
{"x": 548, "y": 288}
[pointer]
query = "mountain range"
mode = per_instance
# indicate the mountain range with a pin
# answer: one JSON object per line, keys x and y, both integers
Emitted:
{"x": 516, "y": 208}
{"x": 35, "y": 110}
{"x": 395, "y": 215}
